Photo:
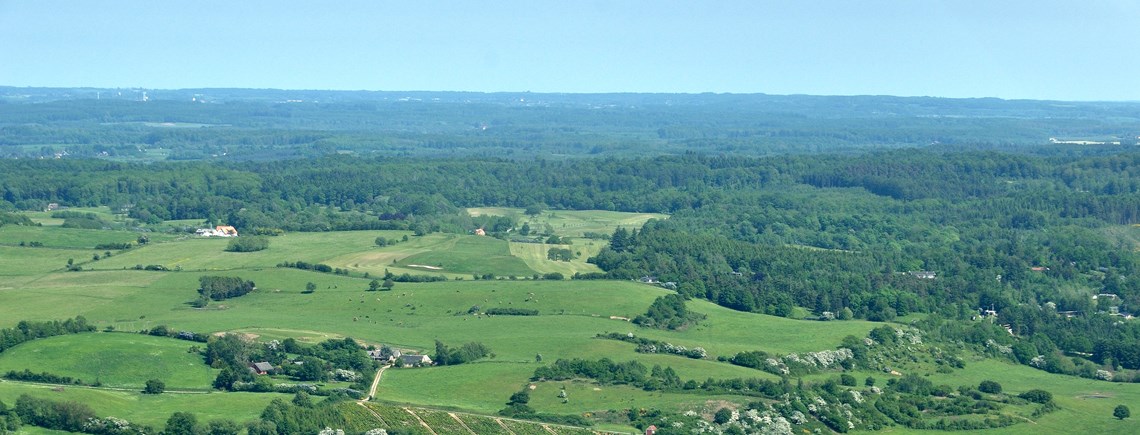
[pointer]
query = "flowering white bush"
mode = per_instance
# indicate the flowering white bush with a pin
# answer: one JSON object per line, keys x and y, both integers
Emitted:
{"x": 1104, "y": 374}
{"x": 856, "y": 396}
{"x": 1038, "y": 361}
{"x": 106, "y": 425}
{"x": 376, "y": 432}
{"x": 331, "y": 431}
{"x": 798, "y": 418}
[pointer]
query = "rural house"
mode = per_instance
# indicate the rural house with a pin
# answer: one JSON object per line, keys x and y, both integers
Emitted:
{"x": 261, "y": 368}
{"x": 414, "y": 360}
{"x": 378, "y": 355}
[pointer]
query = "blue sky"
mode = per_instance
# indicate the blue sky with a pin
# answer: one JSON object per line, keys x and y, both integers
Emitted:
{"x": 1065, "y": 50}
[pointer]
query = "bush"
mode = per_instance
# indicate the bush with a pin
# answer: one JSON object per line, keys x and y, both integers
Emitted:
{"x": 1036, "y": 396}
{"x": 247, "y": 244}
{"x": 847, "y": 380}
{"x": 991, "y": 387}
{"x": 510, "y": 312}
{"x": 154, "y": 386}
{"x": 1121, "y": 412}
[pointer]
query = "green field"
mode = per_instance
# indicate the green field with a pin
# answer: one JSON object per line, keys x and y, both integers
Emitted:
{"x": 110, "y": 293}
{"x": 114, "y": 359}
{"x": 573, "y": 223}
{"x": 148, "y": 409}
{"x": 469, "y": 255}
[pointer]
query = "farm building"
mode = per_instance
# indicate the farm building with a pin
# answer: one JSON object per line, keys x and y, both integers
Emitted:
{"x": 261, "y": 368}
{"x": 414, "y": 360}
{"x": 218, "y": 231}
{"x": 379, "y": 355}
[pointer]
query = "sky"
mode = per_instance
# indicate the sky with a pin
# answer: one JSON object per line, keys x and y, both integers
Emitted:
{"x": 1014, "y": 49}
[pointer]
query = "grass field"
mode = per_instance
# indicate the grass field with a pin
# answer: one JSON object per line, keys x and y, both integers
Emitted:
{"x": 115, "y": 359}
{"x": 573, "y": 223}
{"x": 469, "y": 255}
{"x": 149, "y": 409}
{"x": 55, "y": 237}
{"x": 34, "y": 285}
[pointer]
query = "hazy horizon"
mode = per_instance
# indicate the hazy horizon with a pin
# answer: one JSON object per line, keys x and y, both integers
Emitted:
{"x": 1050, "y": 50}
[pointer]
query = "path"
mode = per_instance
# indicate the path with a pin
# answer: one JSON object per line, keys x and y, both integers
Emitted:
{"x": 461, "y": 423}
{"x": 372, "y": 393}
{"x": 422, "y": 422}
{"x": 375, "y": 383}
{"x": 504, "y": 425}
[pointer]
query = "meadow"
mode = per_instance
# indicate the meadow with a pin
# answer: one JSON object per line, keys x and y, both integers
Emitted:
{"x": 117, "y": 360}
{"x": 109, "y": 292}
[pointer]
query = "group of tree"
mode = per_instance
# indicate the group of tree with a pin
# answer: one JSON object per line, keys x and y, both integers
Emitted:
{"x": 247, "y": 244}
{"x": 468, "y": 352}
{"x": 223, "y": 287}
{"x": 668, "y": 312}
{"x": 27, "y": 330}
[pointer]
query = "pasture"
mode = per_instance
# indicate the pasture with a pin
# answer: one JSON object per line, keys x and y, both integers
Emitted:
{"x": 148, "y": 409}
{"x": 118, "y": 360}
{"x": 573, "y": 223}
{"x": 412, "y": 316}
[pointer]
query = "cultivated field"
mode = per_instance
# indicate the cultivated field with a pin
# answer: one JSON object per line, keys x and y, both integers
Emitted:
{"x": 109, "y": 292}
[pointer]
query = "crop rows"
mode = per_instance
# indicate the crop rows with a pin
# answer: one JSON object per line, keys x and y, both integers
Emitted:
{"x": 523, "y": 428}
{"x": 442, "y": 423}
{"x": 397, "y": 418}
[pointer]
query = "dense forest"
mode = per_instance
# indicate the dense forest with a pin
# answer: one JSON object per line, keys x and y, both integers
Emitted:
{"x": 236, "y": 125}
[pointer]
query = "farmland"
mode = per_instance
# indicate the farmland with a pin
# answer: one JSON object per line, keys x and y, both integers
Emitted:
{"x": 111, "y": 294}
{"x": 789, "y": 291}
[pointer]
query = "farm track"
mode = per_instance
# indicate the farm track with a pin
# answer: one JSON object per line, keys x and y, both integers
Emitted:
{"x": 461, "y": 423}
{"x": 422, "y": 422}
{"x": 504, "y": 425}
{"x": 90, "y": 387}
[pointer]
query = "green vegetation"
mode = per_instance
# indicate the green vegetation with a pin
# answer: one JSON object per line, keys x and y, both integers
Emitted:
{"x": 114, "y": 360}
{"x": 247, "y": 244}
{"x": 668, "y": 312}
{"x": 723, "y": 292}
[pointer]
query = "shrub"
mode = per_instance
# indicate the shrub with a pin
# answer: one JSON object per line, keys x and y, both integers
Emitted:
{"x": 1037, "y": 396}
{"x": 247, "y": 244}
{"x": 991, "y": 387}
{"x": 847, "y": 380}
{"x": 1121, "y": 412}
{"x": 154, "y": 386}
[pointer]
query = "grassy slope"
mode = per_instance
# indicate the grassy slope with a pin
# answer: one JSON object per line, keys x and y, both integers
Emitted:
{"x": 117, "y": 360}
{"x": 414, "y": 315}
{"x": 471, "y": 255}
{"x": 149, "y": 409}
{"x": 567, "y": 223}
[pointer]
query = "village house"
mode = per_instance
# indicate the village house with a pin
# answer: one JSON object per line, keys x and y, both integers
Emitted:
{"x": 261, "y": 368}
{"x": 218, "y": 231}
{"x": 378, "y": 355}
{"x": 414, "y": 360}
{"x": 923, "y": 274}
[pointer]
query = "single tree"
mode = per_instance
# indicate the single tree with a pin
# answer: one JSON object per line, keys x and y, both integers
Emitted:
{"x": 388, "y": 284}
{"x": 310, "y": 287}
{"x": 182, "y": 423}
{"x": 1121, "y": 412}
{"x": 154, "y": 386}
{"x": 374, "y": 285}
{"x": 722, "y": 416}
